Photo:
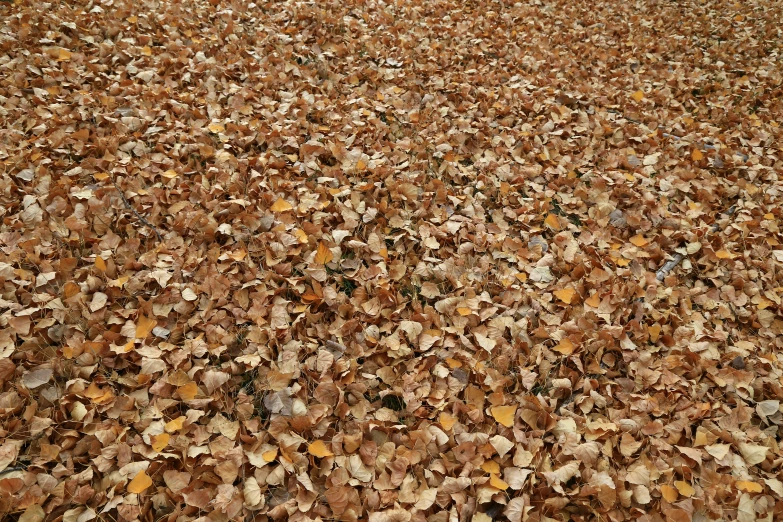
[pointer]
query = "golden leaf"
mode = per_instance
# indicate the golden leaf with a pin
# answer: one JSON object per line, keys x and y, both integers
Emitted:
{"x": 697, "y": 155}
{"x": 175, "y": 425}
{"x": 270, "y": 455}
{"x": 318, "y": 449}
{"x": 654, "y": 331}
{"x": 521, "y": 276}
{"x": 490, "y": 466}
{"x": 140, "y": 482}
{"x": 593, "y": 300}
{"x": 724, "y": 254}
{"x": 300, "y": 235}
{"x": 639, "y": 240}
{"x": 497, "y": 482}
{"x": 188, "y": 392}
{"x": 685, "y": 489}
{"x": 565, "y": 295}
{"x": 464, "y": 311}
{"x": 552, "y": 221}
{"x": 144, "y": 326}
{"x": 360, "y": 165}
{"x": 64, "y": 55}
{"x": 170, "y": 174}
{"x": 100, "y": 264}
{"x": 750, "y": 487}
{"x": 669, "y": 493}
{"x": 504, "y": 414}
{"x": 566, "y": 347}
{"x": 216, "y": 128}
{"x": 158, "y": 442}
{"x": 281, "y": 205}
{"x": 447, "y": 421}
{"x": 638, "y": 96}
{"x": 100, "y": 176}
{"x": 146, "y": 51}
{"x": 323, "y": 255}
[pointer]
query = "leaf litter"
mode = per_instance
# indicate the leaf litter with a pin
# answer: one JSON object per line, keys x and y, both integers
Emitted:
{"x": 390, "y": 261}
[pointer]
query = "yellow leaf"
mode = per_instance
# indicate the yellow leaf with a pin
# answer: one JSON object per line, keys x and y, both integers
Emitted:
{"x": 566, "y": 347}
{"x": 64, "y": 55}
{"x": 159, "y": 441}
{"x": 654, "y": 331}
{"x": 100, "y": 176}
{"x": 697, "y": 155}
{"x": 593, "y": 300}
{"x": 669, "y": 493}
{"x": 497, "y": 482}
{"x": 552, "y": 222}
{"x": 216, "y": 128}
{"x": 638, "y": 96}
{"x": 140, "y": 482}
{"x": 769, "y": 216}
{"x": 175, "y": 425}
{"x": 170, "y": 174}
{"x": 319, "y": 449}
{"x": 565, "y": 295}
{"x": 639, "y": 240}
{"x": 360, "y": 165}
{"x": 464, "y": 311}
{"x": 323, "y": 255}
{"x": 521, "y": 276}
{"x": 281, "y": 205}
{"x": 447, "y": 421}
{"x": 132, "y": 19}
{"x": 453, "y": 363}
{"x": 188, "y": 392}
{"x": 120, "y": 281}
{"x": 723, "y": 254}
{"x": 300, "y": 235}
{"x": 490, "y": 466}
{"x": 685, "y": 489}
{"x": 270, "y": 455}
{"x": 750, "y": 487}
{"x": 100, "y": 264}
{"x": 504, "y": 414}
{"x": 144, "y": 326}
{"x": 146, "y": 51}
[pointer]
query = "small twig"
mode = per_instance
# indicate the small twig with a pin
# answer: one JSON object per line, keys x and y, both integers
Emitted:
{"x": 139, "y": 216}
{"x": 671, "y": 264}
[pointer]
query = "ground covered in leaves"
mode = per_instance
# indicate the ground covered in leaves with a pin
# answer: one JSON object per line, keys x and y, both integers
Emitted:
{"x": 391, "y": 261}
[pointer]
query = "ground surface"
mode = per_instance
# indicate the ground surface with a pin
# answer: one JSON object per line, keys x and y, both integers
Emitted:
{"x": 390, "y": 261}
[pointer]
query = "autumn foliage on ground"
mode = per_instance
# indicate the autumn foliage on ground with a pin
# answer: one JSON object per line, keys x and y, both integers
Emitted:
{"x": 395, "y": 261}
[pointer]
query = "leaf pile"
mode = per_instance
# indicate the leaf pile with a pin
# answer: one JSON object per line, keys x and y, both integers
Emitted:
{"x": 390, "y": 261}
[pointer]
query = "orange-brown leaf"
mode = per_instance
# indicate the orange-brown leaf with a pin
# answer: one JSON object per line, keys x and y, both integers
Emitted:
{"x": 139, "y": 483}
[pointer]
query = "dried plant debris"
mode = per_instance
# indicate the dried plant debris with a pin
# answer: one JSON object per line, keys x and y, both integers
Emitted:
{"x": 391, "y": 261}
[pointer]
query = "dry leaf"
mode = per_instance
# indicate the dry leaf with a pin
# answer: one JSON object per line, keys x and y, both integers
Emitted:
{"x": 319, "y": 449}
{"x": 323, "y": 255}
{"x": 638, "y": 96}
{"x": 144, "y": 326}
{"x": 139, "y": 483}
{"x": 639, "y": 240}
{"x": 565, "y": 295}
{"x": 281, "y": 205}
{"x": 504, "y": 414}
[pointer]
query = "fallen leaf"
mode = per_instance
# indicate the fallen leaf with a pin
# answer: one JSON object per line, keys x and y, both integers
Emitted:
{"x": 748, "y": 486}
{"x": 319, "y": 449}
{"x": 669, "y": 493}
{"x": 281, "y": 205}
{"x": 639, "y": 241}
{"x": 685, "y": 489}
{"x": 504, "y": 414}
{"x": 323, "y": 255}
{"x": 144, "y": 326}
{"x": 139, "y": 483}
{"x": 565, "y": 295}
{"x": 638, "y": 96}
